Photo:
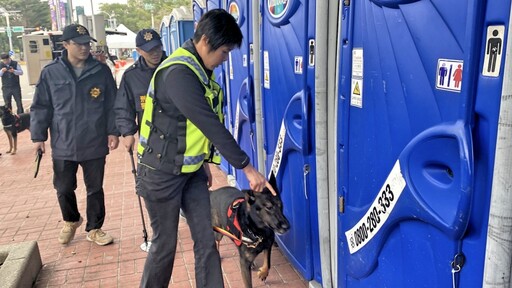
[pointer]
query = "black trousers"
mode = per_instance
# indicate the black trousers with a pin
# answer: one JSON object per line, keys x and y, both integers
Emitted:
{"x": 164, "y": 195}
{"x": 8, "y": 93}
{"x": 64, "y": 181}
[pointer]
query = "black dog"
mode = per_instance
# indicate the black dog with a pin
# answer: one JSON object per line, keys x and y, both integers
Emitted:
{"x": 13, "y": 124}
{"x": 250, "y": 219}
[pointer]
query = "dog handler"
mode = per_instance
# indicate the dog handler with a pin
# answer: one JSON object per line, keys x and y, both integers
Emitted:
{"x": 74, "y": 98}
{"x": 181, "y": 129}
{"x": 10, "y": 71}
{"x": 131, "y": 96}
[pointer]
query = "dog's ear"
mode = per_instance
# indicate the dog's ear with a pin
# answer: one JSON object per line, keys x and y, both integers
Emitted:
{"x": 249, "y": 197}
{"x": 273, "y": 182}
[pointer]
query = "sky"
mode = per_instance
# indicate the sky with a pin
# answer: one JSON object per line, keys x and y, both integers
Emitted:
{"x": 95, "y": 3}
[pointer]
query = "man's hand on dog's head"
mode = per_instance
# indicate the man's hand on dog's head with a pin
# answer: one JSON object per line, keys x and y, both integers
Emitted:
{"x": 39, "y": 146}
{"x": 257, "y": 181}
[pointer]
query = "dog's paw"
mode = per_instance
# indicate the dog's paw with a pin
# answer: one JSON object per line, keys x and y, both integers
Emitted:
{"x": 262, "y": 273}
{"x": 13, "y": 153}
{"x": 8, "y": 152}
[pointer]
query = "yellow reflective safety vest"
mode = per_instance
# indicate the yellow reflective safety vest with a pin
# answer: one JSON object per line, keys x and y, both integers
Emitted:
{"x": 171, "y": 142}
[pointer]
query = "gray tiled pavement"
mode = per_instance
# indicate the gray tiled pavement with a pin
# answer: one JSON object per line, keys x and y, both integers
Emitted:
{"x": 29, "y": 211}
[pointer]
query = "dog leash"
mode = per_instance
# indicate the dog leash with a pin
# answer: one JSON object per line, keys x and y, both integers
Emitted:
{"x": 246, "y": 241}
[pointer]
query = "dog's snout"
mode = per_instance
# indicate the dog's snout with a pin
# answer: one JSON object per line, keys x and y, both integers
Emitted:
{"x": 283, "y": 227}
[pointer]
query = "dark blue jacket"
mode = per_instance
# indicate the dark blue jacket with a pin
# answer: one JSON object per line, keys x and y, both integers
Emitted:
{"x": 77, "y": 110}
{"x": 131, "y": 96}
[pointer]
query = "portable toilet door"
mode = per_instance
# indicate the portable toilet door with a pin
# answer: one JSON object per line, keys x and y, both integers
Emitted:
{"x": 186, "y": 30}
{"x": 164, "y": 34}
{"x": 198, "y": 9}
{"x": 173, "y": 34}
{"x": 220, "y": 74}
{"x": 214, "y": 4}
{"x": 418, "y": 114}
{"x": 179, "y": 30}
{"x": 241, "y": 92}
{"x": 288, "y": 119}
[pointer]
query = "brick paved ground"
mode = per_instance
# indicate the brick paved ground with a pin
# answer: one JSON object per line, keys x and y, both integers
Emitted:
{"x": 29, "y": 211}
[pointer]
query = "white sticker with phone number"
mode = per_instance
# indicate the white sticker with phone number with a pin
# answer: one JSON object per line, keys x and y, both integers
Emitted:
{"x": 378, "y": 213}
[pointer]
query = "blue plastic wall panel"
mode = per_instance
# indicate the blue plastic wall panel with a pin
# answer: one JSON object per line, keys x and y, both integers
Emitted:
{"x": 198, "y": 11}
{"x": 417, "y": 129}
{"x": 179, "y": 31}
{"x": 220, "y": 73}
{"x": 164, "y": 33}
{"x": 288, "y": 119}
{"x": 214, "y": 4}
{"x": 241, "y": 90}
{"x": 173, "y": 35}
{"x": 186, "y": 28}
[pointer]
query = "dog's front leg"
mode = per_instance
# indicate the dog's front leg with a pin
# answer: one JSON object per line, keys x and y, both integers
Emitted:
{"x": 245, "y": 267}
{"x": 265, "y": 267}
{"x": 9, "y": 136}
{"x": 15, "y": 144}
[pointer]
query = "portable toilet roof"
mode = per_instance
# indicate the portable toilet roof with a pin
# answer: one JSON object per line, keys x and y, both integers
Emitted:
{"x": 165, "y": 22}
{"x": 181, "y": 13}
{"x": 164, "y": 32}
{"x": 201, "y": 3}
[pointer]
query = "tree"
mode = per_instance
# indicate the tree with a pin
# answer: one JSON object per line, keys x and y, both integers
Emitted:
{"x": 136, "y": 14}
{"x": 32, "y": 13}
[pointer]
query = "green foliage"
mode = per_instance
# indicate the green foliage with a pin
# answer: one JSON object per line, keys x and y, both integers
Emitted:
{"x": 32, "y": 13}
{"x": 135, "y": 16}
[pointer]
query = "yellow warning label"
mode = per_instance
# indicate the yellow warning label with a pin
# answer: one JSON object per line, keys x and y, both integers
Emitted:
{"x": 356, "y": 89}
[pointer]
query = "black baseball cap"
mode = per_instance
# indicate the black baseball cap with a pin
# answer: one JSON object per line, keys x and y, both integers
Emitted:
{"x": 147, "y": 39}
{"x": 78, "y": 33}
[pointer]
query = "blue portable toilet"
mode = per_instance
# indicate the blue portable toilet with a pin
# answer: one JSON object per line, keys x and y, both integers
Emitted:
{"x": 181, "y": 27}
{"x": 287, "y": 40}
{"x": 220, "y": 74}
{"x": 214, "y": 4}
{"x": 164, "y": 33}
{"x": 420, "y": 86}
{"x": 198, "y": 9}
{"x": 240, "y": 89}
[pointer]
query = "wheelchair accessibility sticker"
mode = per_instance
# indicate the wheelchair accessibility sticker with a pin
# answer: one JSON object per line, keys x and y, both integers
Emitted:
{"x": 449, "y": 74}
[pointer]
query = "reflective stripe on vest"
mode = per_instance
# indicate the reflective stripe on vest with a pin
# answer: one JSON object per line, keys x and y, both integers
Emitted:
{"x": 198, "y": 147}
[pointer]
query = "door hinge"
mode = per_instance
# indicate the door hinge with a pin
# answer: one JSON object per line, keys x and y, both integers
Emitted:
{"x": 341, "y": 204}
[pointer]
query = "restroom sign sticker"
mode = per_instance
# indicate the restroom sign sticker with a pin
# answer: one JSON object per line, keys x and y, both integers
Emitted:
{"x": 449, "y": 74}
{"x": 297, "y": 63}
{"x": 493, "y": 51}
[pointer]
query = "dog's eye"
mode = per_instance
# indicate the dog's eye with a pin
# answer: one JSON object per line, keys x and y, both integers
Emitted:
{"x": 268, "y": 208}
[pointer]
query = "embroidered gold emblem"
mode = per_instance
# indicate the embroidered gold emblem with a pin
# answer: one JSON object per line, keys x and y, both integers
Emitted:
{"x": 95, "y": 92}
{"x": 148, "y": 36}
{"x": 81, "y": 30}
{"x": 142, "y": 101}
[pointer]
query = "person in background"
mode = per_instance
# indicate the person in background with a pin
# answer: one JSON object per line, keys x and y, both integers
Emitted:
{"x": 131, "y": 95}
{"x": 10, "y": 71}
{"x": 181, "y": 130}
{"x": 74, "y": 99}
